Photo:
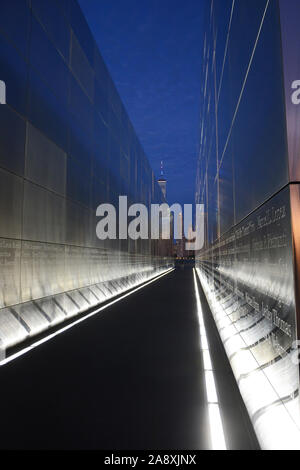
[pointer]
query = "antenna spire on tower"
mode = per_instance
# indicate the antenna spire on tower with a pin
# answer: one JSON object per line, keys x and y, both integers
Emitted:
{"x": 162, "y": 180}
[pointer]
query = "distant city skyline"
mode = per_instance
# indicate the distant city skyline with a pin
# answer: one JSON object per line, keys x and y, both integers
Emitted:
{"x": 153, "y": 52}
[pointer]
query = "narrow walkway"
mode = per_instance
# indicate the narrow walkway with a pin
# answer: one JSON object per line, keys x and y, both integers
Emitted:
{"x": 128, "y": 378}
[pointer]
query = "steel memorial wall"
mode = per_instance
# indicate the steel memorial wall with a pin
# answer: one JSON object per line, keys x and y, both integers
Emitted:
{"x": 66, "y": 146}
{"x": 248, "y": 180}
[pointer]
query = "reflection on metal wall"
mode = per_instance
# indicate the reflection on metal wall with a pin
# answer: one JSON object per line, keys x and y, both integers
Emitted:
{"x": 249, "y": 267}
{"x": 66, "y": 146}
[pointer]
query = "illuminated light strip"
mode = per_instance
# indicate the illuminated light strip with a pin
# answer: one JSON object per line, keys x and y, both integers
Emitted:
{"x": 211, "y": 390}
{"x": 215, "y": 420}
{"x": 216, "y": 423}
{"x": 207, "y": 360}
{"x": 80, "y": 320}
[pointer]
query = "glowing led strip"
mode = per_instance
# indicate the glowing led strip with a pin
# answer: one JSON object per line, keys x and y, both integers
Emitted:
{"x": 80, "y": 320}
{"x": 215, "y": 420}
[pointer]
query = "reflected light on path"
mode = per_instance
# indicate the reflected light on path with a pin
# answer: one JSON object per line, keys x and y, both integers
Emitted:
{"x": 215, "y": 421}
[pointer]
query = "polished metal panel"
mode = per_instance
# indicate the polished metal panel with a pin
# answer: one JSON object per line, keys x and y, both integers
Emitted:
{"x": 259, "y": 133}
{"x": 51, "y": 309}
{"x": 79, "y": 300}
{"x": 12, "y": 331}
{"x": 82, "y": 31}
{"x": 78, "y": 181}
{"x": 47, "y": 60}
{"x": 289, "y": 15}
{"x": 66, "y": 146}
{"x": 10, "y": 258}
{"x": 248, "y": 278}
{"x": 42, "y": 270}
{"x": 46, "y": 111}
{"x": 14, "y": 71}
{"x": 66, "y": 303}
{"x": 249, "y": 152}
{"x": 11, "y": 192}
{"x": 295, "y": 211}
{"x": 78, "y": 229}
{"x": 90, "y": 296}
{"x": 31, "y": 316}
{"x": 45, "y": 162}
{"x": 243, "y": 122}
{"x": 15, "y": 23}
{"x": 12, "y": 141}
{"x": 81, "y": 68}
{"x": 43, "y": 215}
{"x": 55, "y": 24}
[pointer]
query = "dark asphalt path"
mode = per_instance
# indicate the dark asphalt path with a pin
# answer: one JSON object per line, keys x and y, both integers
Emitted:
{"x": 128, "y": 378}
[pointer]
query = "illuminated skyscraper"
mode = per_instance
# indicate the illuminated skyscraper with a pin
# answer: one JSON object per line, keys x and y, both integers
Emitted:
{"x": 162, "y": 181}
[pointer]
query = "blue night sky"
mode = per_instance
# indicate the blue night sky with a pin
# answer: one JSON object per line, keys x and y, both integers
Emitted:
{"x": 153, "y": 50}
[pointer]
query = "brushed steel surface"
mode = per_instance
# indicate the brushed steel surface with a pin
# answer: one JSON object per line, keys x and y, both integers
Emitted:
{"x": 66, "y": 146}
{"x": 43, "y": 215}
{"x": 45, "y": 162}
{"x": 10, "y": 272}
{"x": 42, "y": 270}
{"x": 248, "y": 277}
{"x": 11, "y": 193}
